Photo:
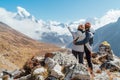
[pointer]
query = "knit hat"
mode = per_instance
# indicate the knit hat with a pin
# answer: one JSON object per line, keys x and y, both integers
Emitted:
{"x": 87, "y": 25}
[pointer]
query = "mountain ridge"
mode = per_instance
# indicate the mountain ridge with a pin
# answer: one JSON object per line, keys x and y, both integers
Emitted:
{"x": 110, "y": 33}
{"x": 16, "y": 47}
{"x": 36, "y": 28}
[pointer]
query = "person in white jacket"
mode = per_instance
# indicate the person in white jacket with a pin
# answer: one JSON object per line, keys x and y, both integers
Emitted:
{"x": 78, "y": 50}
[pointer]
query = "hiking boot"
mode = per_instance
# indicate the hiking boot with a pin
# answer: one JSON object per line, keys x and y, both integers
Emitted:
{"x": 91, "y": 72}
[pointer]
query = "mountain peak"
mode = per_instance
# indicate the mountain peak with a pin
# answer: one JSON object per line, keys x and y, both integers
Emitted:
{"x": 22, "y": 12}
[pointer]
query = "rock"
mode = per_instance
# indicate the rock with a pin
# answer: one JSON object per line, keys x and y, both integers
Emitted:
{"x": 116, "y": 78}
{"x": 40, "y": 60}
{"x": 57, "y": 71}
{"x": 54, "y": 68}
{"x": 102, "y": 76}
{"x": 39, "y": 71}
{"x": 51, "y": 78}
{"x": 30, "y": 65}
{"x": 49, "y": 55}
{"x": 105, "y": 49}
{"x": 78, "y": 71}
{"x": 81, "y": 77}
{"x": 94, "y": 55}
{"x": 102, "y": 58}
{"x": 98, "y": 71}
{"x": 95, "y": 61}
{"x": 27, "y": 77}
{"x": 1, "y": 73}
{"x": 111, "y": 66}
{"x": 7, "y": 77}
{"x": 64, "y": 59}
{"x": 50, "y": 63}
{"x": 39, "y": 77}
{"x": 73, "y": 69}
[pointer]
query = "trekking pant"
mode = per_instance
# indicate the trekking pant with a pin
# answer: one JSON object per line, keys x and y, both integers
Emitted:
{"x": 78, "y": 55}
{"x": 88, "y": 57}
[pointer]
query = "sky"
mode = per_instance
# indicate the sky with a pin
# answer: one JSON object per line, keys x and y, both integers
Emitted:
{"x": 62, "y": 10}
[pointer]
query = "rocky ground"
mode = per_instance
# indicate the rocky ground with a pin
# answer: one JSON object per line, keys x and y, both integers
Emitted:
{"x": 64, "y": 66}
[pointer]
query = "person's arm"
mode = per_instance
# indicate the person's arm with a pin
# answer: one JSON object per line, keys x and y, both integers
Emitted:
{"x": 73, "y": 33}
{"x": 84, "y": 41}
{"x": 69, "y": 30}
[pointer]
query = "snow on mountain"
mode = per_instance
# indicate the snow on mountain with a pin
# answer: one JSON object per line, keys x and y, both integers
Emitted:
{"x": 22, "y": 22}
{"x": 50, "y": 31}
{"x": 109, "y": 17}
{"x": 22, "y": 12}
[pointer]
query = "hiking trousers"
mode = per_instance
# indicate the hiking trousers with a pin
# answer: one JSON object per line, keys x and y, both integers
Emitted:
{"x": 78, "y": 55}
{"x": 88, "y": 57}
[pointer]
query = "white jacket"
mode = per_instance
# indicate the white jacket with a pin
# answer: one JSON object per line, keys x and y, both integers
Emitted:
{"x": 79, "y": 48}
{"x": 80, "y": 36}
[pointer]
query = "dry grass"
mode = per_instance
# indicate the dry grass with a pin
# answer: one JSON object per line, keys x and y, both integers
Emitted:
{"x": 18, "y": 48}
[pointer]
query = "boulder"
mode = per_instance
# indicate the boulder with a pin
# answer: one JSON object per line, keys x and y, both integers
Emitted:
{"x": 40, "y": 73}
{"x": 39, "y": 77}
{"x": 111, "y": 66}
{"x": 27, "y": 77}
{"x": 102, "y": 76}
{"x": 54, "y": 68}
{"x": 51, "y": 78}
{"x": 64, "y": 59}
{"x": 105, "y": 49}
{"x": 78, "y": 71}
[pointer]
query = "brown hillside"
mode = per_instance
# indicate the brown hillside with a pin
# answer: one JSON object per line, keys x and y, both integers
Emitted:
{"x": 16, "y": 48}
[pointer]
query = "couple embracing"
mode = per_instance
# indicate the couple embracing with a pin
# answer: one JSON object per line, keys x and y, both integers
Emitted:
{"x": 82, "y": 43}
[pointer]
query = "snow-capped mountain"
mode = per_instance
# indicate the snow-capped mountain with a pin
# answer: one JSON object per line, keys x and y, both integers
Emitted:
{"x": 50, "y": 31}
{"x": 110, "y": 33}
{"x": 23, "y": 14}
{"x": 109, "y": 17}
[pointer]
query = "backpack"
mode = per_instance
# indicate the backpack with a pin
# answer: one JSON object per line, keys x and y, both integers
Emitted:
{"x": 92, "y": 32}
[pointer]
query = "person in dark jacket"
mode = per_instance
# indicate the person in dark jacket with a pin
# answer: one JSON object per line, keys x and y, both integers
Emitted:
{"x": 88, "y": 39}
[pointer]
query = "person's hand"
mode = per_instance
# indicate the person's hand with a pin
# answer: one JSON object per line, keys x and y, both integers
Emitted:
{"x": 75, "y": 40}
{"x": 68, "y": 27}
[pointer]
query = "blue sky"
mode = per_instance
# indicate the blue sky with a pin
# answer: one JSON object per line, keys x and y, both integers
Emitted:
{"x": 62, "y": 10}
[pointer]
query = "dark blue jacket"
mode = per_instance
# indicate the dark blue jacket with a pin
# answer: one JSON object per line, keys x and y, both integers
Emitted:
{"x": 84, "y": 41}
